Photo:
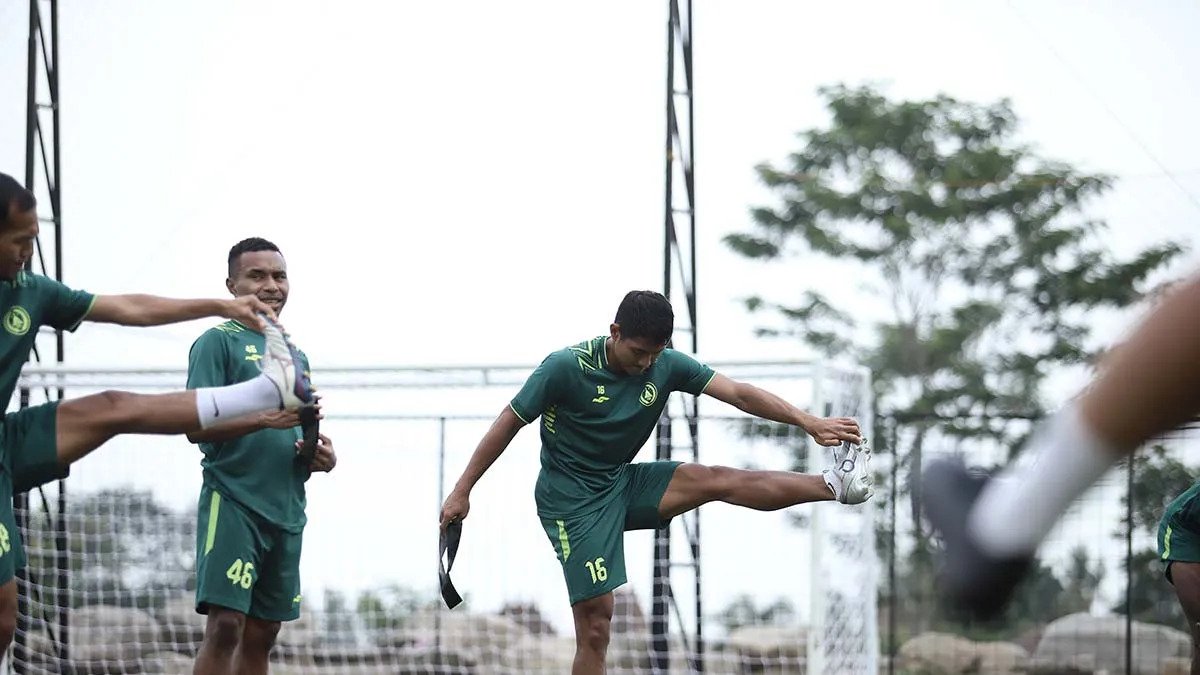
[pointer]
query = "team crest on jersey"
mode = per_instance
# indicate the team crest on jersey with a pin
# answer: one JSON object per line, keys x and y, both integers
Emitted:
{"x": 649, "y": 395}
{"x": 252, "y": 353}
{"x": 17, "y": 321}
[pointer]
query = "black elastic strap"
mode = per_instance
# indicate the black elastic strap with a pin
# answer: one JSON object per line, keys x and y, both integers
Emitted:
{"x": 447, "y": 549}
{"x": 309, "y": 428}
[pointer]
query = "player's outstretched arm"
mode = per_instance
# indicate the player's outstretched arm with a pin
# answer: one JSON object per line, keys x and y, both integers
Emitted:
{"x": 493, "y": 443}
{"x": 152, "y": 310}
{"x": 762, "y": 403}
{"x": 236, "y": 428}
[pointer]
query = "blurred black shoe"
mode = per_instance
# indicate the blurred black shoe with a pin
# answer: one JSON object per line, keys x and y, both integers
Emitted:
{"x": 973, "y": 584}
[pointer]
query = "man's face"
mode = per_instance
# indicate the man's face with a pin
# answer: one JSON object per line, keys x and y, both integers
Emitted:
{"x": 262, "y": 274}
{"x": 16, "y": 242}
{"x": 632, "y": 356}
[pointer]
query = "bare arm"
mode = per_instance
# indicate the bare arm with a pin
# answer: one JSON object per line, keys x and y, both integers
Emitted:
{"x": 235, "y": 428}
{"x": 762, "y": 403}
{"x": 758, "y": 402}
{"x": 152, "y": 310}
{"x": 494, "y": 442}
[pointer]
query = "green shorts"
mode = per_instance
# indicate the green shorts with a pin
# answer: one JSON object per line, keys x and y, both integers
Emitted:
{"x": 28, "y": 458}
{"x": 244, "y": 562}
{"x": 591, "y": 547}
{"x": 1179, "y": 530}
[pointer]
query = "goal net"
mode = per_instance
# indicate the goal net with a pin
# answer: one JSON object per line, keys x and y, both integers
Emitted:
{"x": 109, "y": 587}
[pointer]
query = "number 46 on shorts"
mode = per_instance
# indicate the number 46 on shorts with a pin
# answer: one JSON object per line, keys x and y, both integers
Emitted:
{"x": 241, "y": 574}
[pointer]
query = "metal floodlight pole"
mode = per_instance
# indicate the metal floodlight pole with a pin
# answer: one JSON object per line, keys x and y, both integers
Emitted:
{"x": 679, "y": 262}
{"x": 42, "y": 147}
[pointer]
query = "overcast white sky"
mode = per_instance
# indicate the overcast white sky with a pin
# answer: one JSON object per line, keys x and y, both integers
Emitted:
{"x": 480, "y": 182}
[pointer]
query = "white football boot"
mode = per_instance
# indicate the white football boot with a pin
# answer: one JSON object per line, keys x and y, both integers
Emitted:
{"x": 850, "y": 479}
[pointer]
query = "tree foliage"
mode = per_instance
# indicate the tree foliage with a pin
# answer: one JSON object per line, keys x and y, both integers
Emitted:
{"x": 981, "y": 248}
{"x": 1158, "y": 478}
{"x": 982, "y": 260}
{"x": 124, "y": 548}
{"x": 744, "y": 611}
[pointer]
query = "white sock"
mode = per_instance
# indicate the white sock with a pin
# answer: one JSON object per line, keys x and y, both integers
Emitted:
{"x": 833, "y": 482}
{"x": 221, "y": 404}
{"x": 1018, "y": 509}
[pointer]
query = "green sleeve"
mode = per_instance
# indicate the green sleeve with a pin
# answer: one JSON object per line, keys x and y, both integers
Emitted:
{"x": 63, "y": 308}
{"x": 542, "y": 390}
{"x": 208, "y": 361}
{"x": 687, "y": 374}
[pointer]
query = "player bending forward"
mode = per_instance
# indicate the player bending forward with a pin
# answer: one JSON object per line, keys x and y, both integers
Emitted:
{"x": 599, "y": 401}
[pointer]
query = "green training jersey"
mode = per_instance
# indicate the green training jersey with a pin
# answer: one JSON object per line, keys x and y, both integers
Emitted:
{"x": 1185, "y": 508}
{"x": 259, "y": 470}
{"x": 594, "y": 420}
{"x": 30, "y": 301}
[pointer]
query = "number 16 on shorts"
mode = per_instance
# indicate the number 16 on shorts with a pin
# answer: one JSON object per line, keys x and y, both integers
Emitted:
{"x": 597, "y": 570}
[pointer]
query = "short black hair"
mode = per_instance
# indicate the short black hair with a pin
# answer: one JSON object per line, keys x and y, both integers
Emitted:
{"x": 14, "y": 198}
{"x": 646, "y": 314}
{"x": 250, "y": 245}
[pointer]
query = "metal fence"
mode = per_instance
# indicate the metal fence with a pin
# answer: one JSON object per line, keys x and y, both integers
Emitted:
{"x": 1097, "y": 602}
{"x": 111, "y": 581}
{"x": 370, "y": 591}
{"x": 111, "y": 572}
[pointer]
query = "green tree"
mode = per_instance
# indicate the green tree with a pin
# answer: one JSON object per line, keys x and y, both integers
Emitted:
{"x": 1150, "y": 595}
{"x": 338, "y": 625}
{"x": 391, "y": 606}
{"x": 1082, "y": 579}
{"x": 744, "y": 611}
{"x": 124, "y": 547}
{"x": 386, "y": 607}
{"x": 529, "y": 616}
{"x": 1158, "y": 478}
{"x": 979, "y": 249}
{"x": 1040, "y": 598}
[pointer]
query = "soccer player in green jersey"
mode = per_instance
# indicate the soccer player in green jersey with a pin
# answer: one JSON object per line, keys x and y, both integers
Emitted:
{"x": 598, "y": 402}
{"x": 251, "y": 513}
{"x": 39, "y": 444}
